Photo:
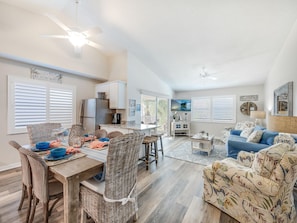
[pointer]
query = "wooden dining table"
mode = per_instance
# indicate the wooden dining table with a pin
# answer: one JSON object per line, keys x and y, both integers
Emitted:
{"x": 70, "y": 173}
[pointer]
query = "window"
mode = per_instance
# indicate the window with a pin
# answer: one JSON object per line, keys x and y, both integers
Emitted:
{"x": 32, "y": 102}
{"x": 214, "y": 109}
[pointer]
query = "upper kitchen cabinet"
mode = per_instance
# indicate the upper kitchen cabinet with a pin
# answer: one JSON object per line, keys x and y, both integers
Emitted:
{"x": 116, "y": 93}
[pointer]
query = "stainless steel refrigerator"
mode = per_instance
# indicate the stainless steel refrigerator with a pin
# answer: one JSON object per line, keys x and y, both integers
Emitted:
{"x": 94, "y": 112}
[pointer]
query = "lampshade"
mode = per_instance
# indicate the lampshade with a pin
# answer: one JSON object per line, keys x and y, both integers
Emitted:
{"x": 258, "y": 114}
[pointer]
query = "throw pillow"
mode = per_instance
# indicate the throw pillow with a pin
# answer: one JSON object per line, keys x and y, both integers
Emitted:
{"x": 246, "y": 132}
{"x": 285, "y": 138}
{"x": 266, "y": 137}
{"x": 255, "y": 136}
{"x": 235, "y": 132}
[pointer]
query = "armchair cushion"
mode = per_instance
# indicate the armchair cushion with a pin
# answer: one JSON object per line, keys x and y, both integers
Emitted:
{"x": 285, "y": 138}
{"x": 245, "y": 177}
{"x": 245, "y": 158}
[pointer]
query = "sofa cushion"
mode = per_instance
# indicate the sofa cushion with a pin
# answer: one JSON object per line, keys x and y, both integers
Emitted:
{"x": 258, "y": 127}
{"x": 255, "y": 136}
{"x": 246, "y": 132}
{"x": 235, "y": 132}
{"x": 235, "y": 144}
{"x": 243, "y": 125}
{"x": 266, "y": 135}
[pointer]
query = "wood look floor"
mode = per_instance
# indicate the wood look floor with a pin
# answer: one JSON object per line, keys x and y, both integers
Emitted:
{"x": 169, "y": 193}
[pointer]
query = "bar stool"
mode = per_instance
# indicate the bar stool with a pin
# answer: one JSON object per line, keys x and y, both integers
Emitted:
{"x": 159, "y": 136}
{"x": 150, "y": 142}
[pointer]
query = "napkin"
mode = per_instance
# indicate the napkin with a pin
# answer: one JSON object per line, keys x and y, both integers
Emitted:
{"x": 97, "y": 144}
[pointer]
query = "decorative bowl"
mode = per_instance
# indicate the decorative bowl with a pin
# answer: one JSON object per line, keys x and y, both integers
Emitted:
{"x": 58, "y": 152}
{"x": 42, "y": 145}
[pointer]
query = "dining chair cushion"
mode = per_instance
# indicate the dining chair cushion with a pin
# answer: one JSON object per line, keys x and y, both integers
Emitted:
{"x": 94, "y": 185}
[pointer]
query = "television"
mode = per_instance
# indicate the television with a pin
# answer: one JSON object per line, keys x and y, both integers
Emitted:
{"x": 180, "y": 105}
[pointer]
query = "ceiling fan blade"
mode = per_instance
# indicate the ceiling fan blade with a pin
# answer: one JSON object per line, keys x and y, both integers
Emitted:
{"x": 56, "y": 36}
{"x": 95, "y": 45}
{"x": 92, "y": 32}
{"x": 59, "y": 23}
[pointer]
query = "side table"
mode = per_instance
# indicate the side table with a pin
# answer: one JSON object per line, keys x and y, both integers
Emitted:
{"x": 204, "y": 144}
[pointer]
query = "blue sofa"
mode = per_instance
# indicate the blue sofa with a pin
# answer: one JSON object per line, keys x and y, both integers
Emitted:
{"x": 236, "y": 143}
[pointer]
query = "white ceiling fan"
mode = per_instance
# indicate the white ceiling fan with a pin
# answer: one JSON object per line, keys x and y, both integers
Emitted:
{"x": 75, "y": 35}
{"x": 205, "y": 75}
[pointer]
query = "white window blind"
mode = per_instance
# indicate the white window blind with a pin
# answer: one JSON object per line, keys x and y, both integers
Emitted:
{"x": 214, "y": 109}
{"x": 201, "y": 109}
{"x": 32, "y": 102}
{"x": 224, "y": 109}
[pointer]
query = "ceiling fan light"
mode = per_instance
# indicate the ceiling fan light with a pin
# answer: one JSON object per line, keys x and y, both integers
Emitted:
{"x": 77, "y": 39}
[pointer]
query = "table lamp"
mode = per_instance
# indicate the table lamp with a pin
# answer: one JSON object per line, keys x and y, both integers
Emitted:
{"x": 258, "y": 116}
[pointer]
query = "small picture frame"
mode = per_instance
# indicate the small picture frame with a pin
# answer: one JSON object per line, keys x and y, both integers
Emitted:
{"x": 132, "y": 107}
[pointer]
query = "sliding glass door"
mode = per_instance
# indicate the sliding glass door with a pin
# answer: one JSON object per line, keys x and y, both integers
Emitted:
{"x": 154, "y": 110}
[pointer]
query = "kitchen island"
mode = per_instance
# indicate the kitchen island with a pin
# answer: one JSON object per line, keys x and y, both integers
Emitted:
{"x": 128, "y": 128}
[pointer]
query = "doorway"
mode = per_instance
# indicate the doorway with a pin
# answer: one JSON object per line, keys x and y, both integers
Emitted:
{"x": 154, "y": 110}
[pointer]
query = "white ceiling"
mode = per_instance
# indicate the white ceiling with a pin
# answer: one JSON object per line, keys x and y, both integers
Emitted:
{"x": 235, "y": 40}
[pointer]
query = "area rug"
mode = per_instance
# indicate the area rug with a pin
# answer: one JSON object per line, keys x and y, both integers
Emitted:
{"x": 183, "y": 151}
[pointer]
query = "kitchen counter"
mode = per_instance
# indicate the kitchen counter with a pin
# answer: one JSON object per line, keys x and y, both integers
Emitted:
{"x": 134, "y": 127}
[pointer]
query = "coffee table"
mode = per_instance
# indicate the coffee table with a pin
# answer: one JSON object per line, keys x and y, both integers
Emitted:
{"x": 204, "y": 144}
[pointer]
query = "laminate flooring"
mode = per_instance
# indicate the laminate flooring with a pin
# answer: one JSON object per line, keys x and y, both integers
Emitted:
{"x": 170, "y": 192}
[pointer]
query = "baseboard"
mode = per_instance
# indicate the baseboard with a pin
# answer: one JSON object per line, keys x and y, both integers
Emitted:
{"x": 10, "y": 166}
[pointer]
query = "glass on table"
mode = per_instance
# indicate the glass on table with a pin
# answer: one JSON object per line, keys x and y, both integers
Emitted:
{"x": 77, "y": 142}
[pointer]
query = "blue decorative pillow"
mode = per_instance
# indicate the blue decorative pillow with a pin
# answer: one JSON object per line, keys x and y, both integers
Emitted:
{"x": 270, "y": 140}
{"x": 266, "y": 135}
{"x": 235, "y": 132}
{"x": 258, "y": 127}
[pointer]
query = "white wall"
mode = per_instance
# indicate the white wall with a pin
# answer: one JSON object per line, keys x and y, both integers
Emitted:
{"x": 217, "y": 128}
{"x": 117, "y": 67}
{"x": 21, "y": 37}
{"x": 141, "y": 78}
{"x": 84, "y": 88}
{"x": 21, "y": 40}
{"x": 283, "y": 71}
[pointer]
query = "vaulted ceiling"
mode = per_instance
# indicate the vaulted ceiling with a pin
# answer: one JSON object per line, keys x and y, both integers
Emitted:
{"x": 236, "y": 41}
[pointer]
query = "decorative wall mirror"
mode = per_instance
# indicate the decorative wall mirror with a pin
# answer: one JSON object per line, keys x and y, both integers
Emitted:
{"x": 247, "y": 107}
{"x": 283, "y": 100}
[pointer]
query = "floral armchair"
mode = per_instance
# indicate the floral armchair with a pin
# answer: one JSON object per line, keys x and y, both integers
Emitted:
{"x": 255, "y": 187}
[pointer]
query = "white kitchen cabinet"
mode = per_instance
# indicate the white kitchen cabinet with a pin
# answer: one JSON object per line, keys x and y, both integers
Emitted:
{"x": 116, "y": 93}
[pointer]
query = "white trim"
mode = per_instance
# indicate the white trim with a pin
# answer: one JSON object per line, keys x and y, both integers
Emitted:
{"x": 10, "y": 166}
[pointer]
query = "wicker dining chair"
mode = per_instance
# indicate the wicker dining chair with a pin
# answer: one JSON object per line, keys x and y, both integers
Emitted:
{"x": 114, "y": 134}
{"x": 44, "y": 189}
{"x": 76, "y": 130}
{"x": 115, "y": 199}
{"x": 26, "y": 179}
{"x": 100, "y": 133}
{"x": 42, "y": 132}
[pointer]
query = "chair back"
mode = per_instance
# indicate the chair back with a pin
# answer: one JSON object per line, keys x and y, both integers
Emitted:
{"x": 25, "y": 165}
{"x": 114, "y": 134}
{"x": 39, "y": 171}
{"x": 75, "y": 131}
{"x": 42, "y": 132}
{"x": 121, "y": 165}
{"x": 101, "y": 133}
